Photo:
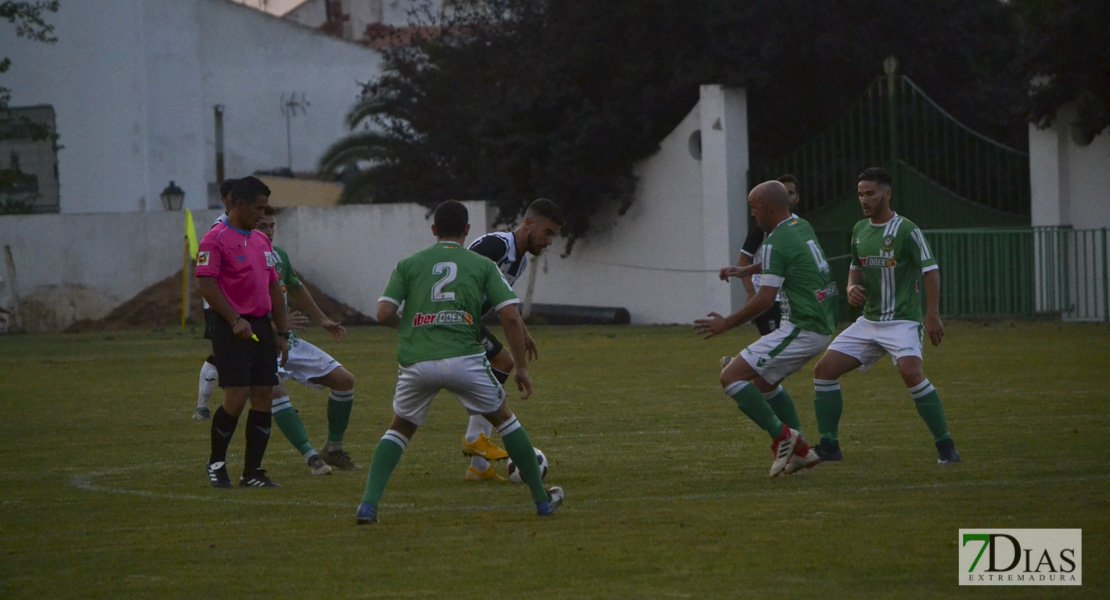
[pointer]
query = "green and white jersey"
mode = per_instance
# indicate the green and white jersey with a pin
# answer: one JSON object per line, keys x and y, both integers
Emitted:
{"x": 440, "y": 290}
{"x": 286, "y": 274}
{"x": 892, "y": 256}
{"x": 794, "y": 262}
{"x": 288, "y": 278}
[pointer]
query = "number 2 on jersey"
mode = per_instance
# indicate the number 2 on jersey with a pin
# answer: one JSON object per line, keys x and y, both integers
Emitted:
{"x": 450, "y": 268}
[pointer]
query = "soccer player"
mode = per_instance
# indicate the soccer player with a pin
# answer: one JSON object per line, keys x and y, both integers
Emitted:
{"x": 236, "y": 272}
{"x": 442, "y": 289}
{"x": 888, "y": 254}
{"x": 792, "y": 261}
{"x": 311, "y": 367}
{"x": 772, "y": 319}
{"x": 509, "y": 250}
{"x": 208, "y": 372}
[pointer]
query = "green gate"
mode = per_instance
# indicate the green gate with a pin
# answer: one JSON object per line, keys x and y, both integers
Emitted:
{"x": 946, "y": 175}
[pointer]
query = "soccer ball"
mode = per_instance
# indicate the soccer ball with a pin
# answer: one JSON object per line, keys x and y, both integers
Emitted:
{"x": 514, "y": 473}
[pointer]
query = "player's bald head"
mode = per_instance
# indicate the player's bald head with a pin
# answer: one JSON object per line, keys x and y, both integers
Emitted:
{"x": 773, "y": 193}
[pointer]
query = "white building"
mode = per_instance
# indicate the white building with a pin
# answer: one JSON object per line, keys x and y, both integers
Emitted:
{"x": 137, "y": 86}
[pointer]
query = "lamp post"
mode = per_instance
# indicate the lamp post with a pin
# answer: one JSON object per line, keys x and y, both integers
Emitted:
{"x": 173, "y": 197}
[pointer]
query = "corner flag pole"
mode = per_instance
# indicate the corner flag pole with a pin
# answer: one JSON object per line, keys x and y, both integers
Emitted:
{"x": 185, "y": 284}
{"x": 190, "y": 252}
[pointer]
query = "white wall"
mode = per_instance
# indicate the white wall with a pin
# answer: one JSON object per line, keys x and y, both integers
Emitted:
{"x": 134, "y": 83}
{"x": 72, "y": 267}
{"x": 1070, "y": 183}
{"x": 350, "y": 251}
{"x": 660, "y": 260}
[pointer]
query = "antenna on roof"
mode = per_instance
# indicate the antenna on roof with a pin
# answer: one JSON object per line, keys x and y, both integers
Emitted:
{"x": 289, "y": 107}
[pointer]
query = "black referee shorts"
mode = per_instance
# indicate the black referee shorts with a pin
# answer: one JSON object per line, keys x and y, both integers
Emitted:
{"x": 490, "y": 343}
{"x": 769, "y": 321}
{"x": 243, "y": 363}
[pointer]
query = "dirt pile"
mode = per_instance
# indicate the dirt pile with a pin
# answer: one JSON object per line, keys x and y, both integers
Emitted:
{"x": 159, "y": 306}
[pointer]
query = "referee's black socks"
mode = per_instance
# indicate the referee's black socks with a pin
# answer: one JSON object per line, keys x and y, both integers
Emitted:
{"x": 258, "y": 436}
{"x": 223, "y": 427}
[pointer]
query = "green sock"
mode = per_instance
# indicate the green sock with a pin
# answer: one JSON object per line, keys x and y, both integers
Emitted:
{"x": 386, "y": 456}
{"x": 520, "y": 449}
{"x": 290, "y": 424}
{"x": 828, "y": 404}
{"x": 783, "y": 405}
{"x": 751, "y": 403}
{"x": 339, "y": 414}
{"x": 928, "y": 404}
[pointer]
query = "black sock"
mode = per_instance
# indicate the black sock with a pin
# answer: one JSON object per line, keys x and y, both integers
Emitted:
{"x": 501, "y": 376}
{"x": 223, "y": 427}
{"x": 258, "y": 435}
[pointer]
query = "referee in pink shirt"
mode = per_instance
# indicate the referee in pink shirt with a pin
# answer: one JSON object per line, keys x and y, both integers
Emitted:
{"x": 235, "y": 269}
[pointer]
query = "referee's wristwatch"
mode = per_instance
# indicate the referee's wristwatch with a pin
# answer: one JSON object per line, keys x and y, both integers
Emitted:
{"x": 284, "y": 334}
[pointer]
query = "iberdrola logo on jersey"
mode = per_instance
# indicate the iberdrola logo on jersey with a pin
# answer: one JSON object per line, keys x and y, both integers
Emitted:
{"x": 443, "y": 317}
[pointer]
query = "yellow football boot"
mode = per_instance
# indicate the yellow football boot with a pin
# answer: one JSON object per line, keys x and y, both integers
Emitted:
{"x": 484, "y": 448}
{"x": 489, "y": 474}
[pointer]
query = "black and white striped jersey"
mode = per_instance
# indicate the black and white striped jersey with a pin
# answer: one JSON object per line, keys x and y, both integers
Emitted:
{"x": 500, "y": 247}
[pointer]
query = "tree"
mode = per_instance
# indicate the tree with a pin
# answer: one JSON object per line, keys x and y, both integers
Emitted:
{"x": 29, "y": 21}
{"x": 1066, "y": 58}
{"x": 529, "y": 98}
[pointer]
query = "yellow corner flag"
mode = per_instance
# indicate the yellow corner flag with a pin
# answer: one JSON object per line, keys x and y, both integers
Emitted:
{"x": 191, "y": 234}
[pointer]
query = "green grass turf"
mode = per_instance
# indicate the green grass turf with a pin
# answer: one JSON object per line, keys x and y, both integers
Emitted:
{"x": 105, "y": 496}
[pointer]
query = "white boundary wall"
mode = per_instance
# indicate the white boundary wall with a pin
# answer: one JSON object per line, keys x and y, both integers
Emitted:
{"x": 72, "y": 267}
{"x": 659, "y": 261}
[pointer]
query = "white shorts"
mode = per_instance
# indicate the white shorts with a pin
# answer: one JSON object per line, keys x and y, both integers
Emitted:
{"x": 783, "y": 352}
{"x": 867, "y": 341}
{"x": 468, "y": 378}
{"x": 306, "y": 362}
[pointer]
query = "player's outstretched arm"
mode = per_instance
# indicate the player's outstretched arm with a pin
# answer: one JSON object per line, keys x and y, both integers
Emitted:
{"x": 304, "y": 300}
{"x": 743, "y": 261}
{"x": 514, "y": 334}
{"x": 744, "y": 273}
{"x": 387, "y": 314}
{"x": 716, "y": 324}
{"x": 933, "y": 325}
{"x": 530, "y": 346}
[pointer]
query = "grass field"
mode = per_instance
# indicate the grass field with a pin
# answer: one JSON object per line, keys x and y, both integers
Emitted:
{"x": 667, "y": 491}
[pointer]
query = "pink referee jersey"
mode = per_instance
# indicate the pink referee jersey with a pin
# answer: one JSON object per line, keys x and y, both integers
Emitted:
{"x": 243, "y": 264}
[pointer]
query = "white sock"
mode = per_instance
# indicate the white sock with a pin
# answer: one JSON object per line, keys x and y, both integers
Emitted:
{"x": 474, "y": 428}
{"x": 208, "y": 379}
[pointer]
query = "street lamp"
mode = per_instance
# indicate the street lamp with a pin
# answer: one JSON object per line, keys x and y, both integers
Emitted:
{"x": 173, "y": 197}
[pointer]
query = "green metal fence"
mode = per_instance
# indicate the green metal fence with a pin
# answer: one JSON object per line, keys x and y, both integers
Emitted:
{"x": 1023, "y": 272}
{"x": 895, "y": 123}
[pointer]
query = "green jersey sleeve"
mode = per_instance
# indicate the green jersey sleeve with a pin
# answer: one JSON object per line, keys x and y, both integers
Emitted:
{"x": 397, "y": 288}
{"x": 498, "y": 291}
